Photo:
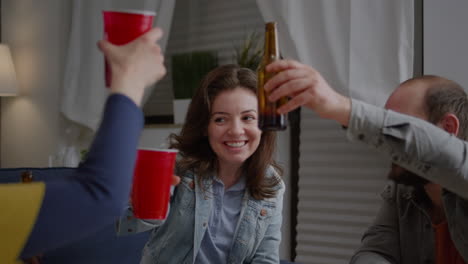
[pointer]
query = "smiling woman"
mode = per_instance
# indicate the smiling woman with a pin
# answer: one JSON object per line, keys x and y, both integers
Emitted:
{"x": 233, "y": 131}
{"x": 227, "y": 167}
{"x": 194, "y": 140}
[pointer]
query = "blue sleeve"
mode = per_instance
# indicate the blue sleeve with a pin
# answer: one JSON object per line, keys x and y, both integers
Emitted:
{"x": 76, "y": 206}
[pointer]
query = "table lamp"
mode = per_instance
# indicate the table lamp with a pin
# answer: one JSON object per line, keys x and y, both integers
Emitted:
{"x": 8, "y": 84}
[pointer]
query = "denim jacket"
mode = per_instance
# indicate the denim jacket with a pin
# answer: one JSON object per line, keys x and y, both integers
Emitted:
{"x": 402, "y": 231}
{"x": 178, "y": 239}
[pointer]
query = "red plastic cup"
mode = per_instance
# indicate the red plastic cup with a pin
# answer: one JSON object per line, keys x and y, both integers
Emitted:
{"x": 152, "y": 182}
{"x": 121, "y": 27}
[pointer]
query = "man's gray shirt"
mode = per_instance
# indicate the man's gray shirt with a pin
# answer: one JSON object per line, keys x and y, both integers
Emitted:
{"x": 402, "y": 231}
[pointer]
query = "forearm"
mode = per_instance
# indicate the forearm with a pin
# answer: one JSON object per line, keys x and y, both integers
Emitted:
{"x": 95, "y": 194}
{"x": 339, "y": 109}
{"x": 413, "y": 144}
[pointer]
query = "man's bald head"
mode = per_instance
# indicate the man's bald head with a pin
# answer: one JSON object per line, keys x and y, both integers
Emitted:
{"x": 431, "y": 98}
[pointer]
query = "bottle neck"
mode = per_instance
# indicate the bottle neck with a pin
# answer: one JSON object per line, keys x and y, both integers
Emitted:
{"x": 271, "y": 44}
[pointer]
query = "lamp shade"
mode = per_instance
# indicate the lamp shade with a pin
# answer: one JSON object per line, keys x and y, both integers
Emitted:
{"x": 8, "y": 84}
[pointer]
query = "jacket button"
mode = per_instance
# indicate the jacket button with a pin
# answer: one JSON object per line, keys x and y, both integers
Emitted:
{"x": 192, "y": 185}
{"x": 204, "y": 224}
{"x": 130, "y": 230}
{"x": 263, "y": 212}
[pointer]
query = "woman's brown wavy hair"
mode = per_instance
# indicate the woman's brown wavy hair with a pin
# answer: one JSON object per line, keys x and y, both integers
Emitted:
{"x": 192, "y": 142}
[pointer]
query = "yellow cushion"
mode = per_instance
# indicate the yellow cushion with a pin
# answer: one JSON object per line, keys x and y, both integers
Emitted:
{"x": 19, "y": 206}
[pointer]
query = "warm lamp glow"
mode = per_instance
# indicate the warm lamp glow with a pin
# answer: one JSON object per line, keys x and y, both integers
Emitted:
{"x": 8, "y": 84}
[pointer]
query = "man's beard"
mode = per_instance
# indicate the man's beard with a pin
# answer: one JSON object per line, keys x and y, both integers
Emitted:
{"x": 403, "y": 176}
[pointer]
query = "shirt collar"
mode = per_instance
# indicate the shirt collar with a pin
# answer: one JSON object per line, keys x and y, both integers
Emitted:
{"x": 238, "y": 186}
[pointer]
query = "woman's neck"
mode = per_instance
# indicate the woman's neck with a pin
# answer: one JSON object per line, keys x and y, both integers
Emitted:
{"x": 229, "y": 174}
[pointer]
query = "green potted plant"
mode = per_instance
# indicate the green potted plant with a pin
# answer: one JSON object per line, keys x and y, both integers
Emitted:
{"x": 188, "y": 69}
{"x": 249, "y": 52}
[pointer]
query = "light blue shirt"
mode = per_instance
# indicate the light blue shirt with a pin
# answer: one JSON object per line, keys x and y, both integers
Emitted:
{"x": 223, "y": 220}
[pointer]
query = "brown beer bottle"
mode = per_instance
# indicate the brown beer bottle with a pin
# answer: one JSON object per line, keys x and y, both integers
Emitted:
{"x": 26, "y": 177}
{"x": 269, "y": 119}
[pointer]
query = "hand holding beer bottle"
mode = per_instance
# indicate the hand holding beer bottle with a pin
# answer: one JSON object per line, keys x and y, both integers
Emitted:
{"x": 269, "y": 118}
{"x": 305, "y": 86}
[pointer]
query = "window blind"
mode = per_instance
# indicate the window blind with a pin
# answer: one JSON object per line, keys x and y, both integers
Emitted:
{"x": 339, "y": 191}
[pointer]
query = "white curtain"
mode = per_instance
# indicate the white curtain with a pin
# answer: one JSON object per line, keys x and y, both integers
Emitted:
{"x": 84, "y": 92}
{"x": 364, "y": 48}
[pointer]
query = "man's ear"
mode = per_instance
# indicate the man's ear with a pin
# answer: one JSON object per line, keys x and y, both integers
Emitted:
{"x": 450, "y": 123}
